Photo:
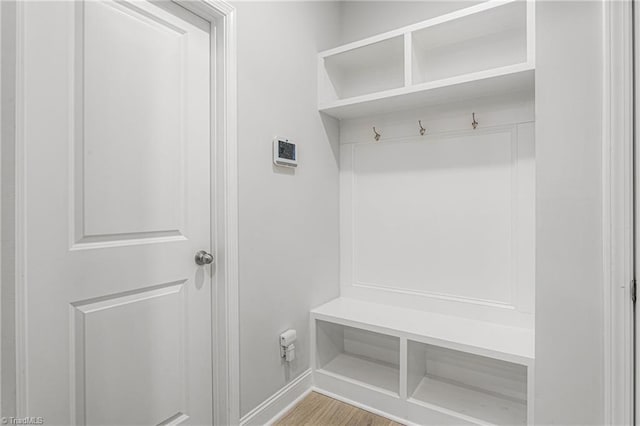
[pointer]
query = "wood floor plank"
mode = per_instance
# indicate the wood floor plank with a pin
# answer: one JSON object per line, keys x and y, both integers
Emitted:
{"x": 320, "y": 410}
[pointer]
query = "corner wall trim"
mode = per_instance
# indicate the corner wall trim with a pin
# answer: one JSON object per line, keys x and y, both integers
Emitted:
{"x": 280, "y": 402}
{"x": 618, "y": 212}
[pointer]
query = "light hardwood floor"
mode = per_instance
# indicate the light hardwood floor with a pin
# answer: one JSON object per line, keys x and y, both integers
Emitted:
{"x": 320, "y": 410}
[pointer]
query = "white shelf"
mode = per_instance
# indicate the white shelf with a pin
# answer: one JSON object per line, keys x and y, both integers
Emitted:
{"x": 427, "y": 368}
{"x": 483, "y": 50}
{"x": 438, "y": 20}
{"x": 515, "y": 78}
{"x": 478, "y": 337}
{"x": 363, "y": 356}
{"x": 366, "y": 371}
{"x": 372, "y": 68}
{"x": 466, "y": 385}
{"x": 489, "y": 39}
{"x": 465, "y": 401}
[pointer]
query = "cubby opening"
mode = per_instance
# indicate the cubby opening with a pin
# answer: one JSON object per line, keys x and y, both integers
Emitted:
{"x": 486, "y": 40}
{"x": 369, "y": 69}
{"x": 367, "y": 357}
{"x": 486, "y": 389}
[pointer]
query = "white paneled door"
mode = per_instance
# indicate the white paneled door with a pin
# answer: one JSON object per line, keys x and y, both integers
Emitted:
{"x": 117, "y": 184}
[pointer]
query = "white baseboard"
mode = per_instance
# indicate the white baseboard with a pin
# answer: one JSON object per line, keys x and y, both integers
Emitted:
{"x": 280, "y": 402}
{"x": 286, "y": 398}
{"x": 362, "y": 406}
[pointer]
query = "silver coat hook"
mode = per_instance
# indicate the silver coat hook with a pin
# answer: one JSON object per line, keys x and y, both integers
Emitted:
{"x": 474, "y": 123}
{"x": 422, "y": 129}
{"x": 376, "y": 134}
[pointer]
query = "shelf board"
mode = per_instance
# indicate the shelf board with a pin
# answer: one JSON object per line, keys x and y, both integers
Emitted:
{"x": 371, "y": 55}
{"x": 469, "y": 402}
{"x": 506, "y": 17}
{"x": 372, "y": 68}
{"x": 479, "y": 337}
{"x": 513, "y": 78}
{"x": 369, "y": 372}
{"x": 438, "y": 20}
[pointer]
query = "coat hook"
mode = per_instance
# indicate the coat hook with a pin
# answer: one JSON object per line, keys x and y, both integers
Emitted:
{"x": 422, "y": 129}
{"x": 376, "y": 134}
{"x": 474, "y": 123}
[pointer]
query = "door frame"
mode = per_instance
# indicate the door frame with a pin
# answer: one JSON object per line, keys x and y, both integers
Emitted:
{"x": 224, "y": 199}
{"x": 618, "y": 201}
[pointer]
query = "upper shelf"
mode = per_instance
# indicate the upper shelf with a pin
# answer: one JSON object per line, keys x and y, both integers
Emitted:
{"x": 483, "y": 50}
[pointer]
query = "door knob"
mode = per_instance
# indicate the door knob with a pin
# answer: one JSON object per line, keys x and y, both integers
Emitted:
{"x": 204, "y": 258}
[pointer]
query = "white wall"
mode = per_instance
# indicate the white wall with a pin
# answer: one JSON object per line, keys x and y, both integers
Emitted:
{"x": 7, "y": 224}
{"x": 362, "y": 19}
{"x": 280, "y": 40}
{"x": 569, "y": 289}
{"x": 288, "y": 220}
{"x": 442, "y": 222}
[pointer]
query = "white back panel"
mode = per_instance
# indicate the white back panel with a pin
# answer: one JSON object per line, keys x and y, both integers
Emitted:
{"x": 372, "y": 345}
{"x": 445, "y": 217}
{"x": 435, "y": 216}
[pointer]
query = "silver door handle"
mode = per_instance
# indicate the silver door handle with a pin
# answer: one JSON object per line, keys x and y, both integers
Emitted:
{"x": 204, "y": 258}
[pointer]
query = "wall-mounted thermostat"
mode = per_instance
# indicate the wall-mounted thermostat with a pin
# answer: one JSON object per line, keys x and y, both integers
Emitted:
{"x": 285, "y": 152}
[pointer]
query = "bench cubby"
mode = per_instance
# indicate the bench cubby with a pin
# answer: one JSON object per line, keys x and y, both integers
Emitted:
{"x": 423, "y": 367}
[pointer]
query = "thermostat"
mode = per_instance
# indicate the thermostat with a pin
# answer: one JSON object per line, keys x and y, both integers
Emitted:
{"x": 285, "y": 152}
